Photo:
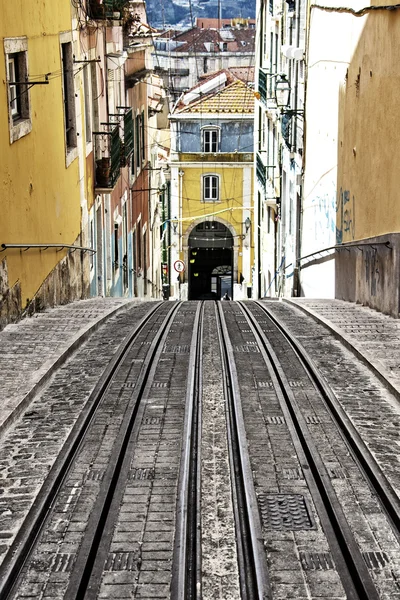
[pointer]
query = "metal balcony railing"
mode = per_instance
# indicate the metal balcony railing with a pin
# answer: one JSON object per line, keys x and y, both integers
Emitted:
{"x": 107, "y": 156}
{"x": 262, "y": 85}
{"x": 261, "y": 171}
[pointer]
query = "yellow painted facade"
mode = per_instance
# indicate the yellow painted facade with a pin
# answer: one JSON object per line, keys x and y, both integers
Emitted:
{"x": 228, "y": 210}
{"x": 40, "y": 194}
{"x": 369, "y": 135}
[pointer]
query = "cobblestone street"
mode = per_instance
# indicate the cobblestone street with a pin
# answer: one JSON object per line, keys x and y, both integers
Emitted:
{"x": 50, "y": 365}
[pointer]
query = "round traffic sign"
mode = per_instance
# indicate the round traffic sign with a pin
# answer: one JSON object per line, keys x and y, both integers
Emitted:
{"x": 179, "y": 266}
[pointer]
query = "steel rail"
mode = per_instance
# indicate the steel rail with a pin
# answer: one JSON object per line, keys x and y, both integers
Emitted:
{"x": 186, "y": 567}
{"x": 253, "y": 573}
{"x": 356, "y": 579}
{"x": 373, "y": 473}
{"x": 22, "y": 546}
{"x": 86, "y": 577}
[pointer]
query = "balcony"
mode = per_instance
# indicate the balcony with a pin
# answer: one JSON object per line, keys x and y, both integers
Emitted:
{"x": 262, "y": 85}
{"x": 261, "y": 171}
{"x": 107, "y": 9}
{"x": 108, "y": 150}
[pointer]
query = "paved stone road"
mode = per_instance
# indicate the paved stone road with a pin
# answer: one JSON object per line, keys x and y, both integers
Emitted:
{"x": 32, "y": 349}
{"x": 373, "y": 336}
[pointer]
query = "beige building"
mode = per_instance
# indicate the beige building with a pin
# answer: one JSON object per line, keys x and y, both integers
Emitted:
{"x": 368, "y": 209}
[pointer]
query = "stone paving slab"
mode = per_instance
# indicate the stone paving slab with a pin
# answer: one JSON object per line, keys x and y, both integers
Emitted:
{"x": 372, "y": 336}
{"x": 32, "y": 349}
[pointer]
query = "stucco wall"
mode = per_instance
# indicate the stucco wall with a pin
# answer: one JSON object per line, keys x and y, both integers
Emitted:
{"x": 369, "y": 274}
{"x": 368, "y": 177}
{"x": 40, "y": 195}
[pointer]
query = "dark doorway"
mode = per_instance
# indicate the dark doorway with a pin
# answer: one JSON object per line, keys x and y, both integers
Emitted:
{"x": 210, "y": 259}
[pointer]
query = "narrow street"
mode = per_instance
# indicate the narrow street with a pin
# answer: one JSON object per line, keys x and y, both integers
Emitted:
{"x": 214, "y": 450}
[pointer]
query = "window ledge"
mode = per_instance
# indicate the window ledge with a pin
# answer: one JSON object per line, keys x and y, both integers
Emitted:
{"x": 70, "y": 156}
{"x": 20, "y": 129}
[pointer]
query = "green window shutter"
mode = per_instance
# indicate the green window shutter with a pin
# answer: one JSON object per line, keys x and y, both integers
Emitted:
{"x": 128, "y": 133}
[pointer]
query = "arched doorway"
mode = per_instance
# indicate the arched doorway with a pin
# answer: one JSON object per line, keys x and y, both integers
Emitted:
{"x": 210, "y": 261}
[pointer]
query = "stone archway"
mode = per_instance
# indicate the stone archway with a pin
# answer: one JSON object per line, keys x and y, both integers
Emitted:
{"x": 210, "y": 247}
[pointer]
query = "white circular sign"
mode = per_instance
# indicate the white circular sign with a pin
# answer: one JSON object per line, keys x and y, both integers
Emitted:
{"x": 179, "y": 266}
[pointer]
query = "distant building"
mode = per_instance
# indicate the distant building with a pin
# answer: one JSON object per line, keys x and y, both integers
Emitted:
{"x": 182, "y": 59}
{"x": 212, "y": 189}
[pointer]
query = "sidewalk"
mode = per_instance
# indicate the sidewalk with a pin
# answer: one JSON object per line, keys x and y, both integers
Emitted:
{"x": 33, "y": 348}
{"x": 372, "y": 336}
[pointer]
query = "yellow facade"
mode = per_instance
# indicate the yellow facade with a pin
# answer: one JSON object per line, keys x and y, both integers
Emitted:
{"x": 369, "y": 136}
{"x": 40, "y": 194}
{"x": 229, "y": 210}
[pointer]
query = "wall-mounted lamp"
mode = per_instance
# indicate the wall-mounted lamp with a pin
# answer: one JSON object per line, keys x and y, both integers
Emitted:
{"x": 282, "y": 91}
{"x": 175, "y": 225}
{"x": 282, "y": 97}
{"x": 247, "y": 224}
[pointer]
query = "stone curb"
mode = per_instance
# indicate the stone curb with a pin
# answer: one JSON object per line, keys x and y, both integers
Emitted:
{"x": 49, "y": 367}
{"x": 365, "y": 357}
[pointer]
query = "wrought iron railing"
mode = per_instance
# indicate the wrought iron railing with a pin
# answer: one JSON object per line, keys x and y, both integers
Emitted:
{"x": 262, "y": 85}
{"x": 107, "y": 156}
{"x": 261, "y": 171}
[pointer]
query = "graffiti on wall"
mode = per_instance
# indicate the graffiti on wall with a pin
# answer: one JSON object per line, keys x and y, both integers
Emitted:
{"x": 324, "y": 204}
{"x": 346, "y": 216}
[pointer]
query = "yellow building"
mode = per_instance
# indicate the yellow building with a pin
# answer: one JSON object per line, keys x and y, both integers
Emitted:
{"x": 212, "y": 189}
{"x": 41, "y": 171}
{"x": 368, "y": 209}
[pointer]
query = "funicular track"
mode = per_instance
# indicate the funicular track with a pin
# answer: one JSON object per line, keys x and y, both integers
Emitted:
{"x": 81, "y": 583}
{"x": 352, "y": 568}
{"x": 254, "y": 583}
{"x": 187, "y": 568}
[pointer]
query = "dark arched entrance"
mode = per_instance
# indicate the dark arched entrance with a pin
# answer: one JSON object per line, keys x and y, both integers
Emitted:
{"x": 210, "y": 261}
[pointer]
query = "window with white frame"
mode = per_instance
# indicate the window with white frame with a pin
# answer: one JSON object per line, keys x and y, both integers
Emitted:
{"x": 210, "y": 188}
{"x": 19, "y": 113}
{"x": 210, "y": 139}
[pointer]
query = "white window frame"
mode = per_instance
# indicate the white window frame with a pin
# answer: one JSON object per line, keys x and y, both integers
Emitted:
{"x": 19, "y": 111}
{"x": 207, "y": 187}
{"x": 207, "y": 141}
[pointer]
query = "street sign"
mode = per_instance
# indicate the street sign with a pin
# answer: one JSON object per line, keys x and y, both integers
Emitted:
{"x": 179, "y": 266}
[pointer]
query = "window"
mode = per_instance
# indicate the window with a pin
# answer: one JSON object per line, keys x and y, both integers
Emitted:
{"x": 69, "y": 96}
{"x": 19, "y": 117}
{"x": 211, "y": 140}
{"x": 210, "y": 188}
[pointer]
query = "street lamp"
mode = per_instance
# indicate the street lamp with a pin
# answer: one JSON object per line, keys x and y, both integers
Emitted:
{"x": 282, "y": 97}
{"x": 247, "y": 224}
{"x": 282, "y": 91}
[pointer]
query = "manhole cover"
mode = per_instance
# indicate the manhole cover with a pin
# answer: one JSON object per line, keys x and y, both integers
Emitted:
{"x": 285, "y": 512}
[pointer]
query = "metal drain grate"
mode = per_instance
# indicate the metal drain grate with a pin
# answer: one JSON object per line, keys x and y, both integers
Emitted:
{"x": 147, "y": 473}
{"x": 275, "y": 420}
{"x": 296, "y": 384}
{"x": 292, "y": 473}
{"x": 285, "y": 512}
{"x": 128, "y": 385}
{"x": 250, "y": 347}
{"x": 376, "y": 560}
{"x": 62, "y": 563}
{"x": 160, "y": 384}
{"x": 265, "y": 384}
{"x": 151, "y": 420}
{"x": 94, "y": 475}
{"x": 121, "y": 561}
{"x": 176, "y": 349}
{"x": 316, "y": 561}
{"x": 312, "y": 420}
